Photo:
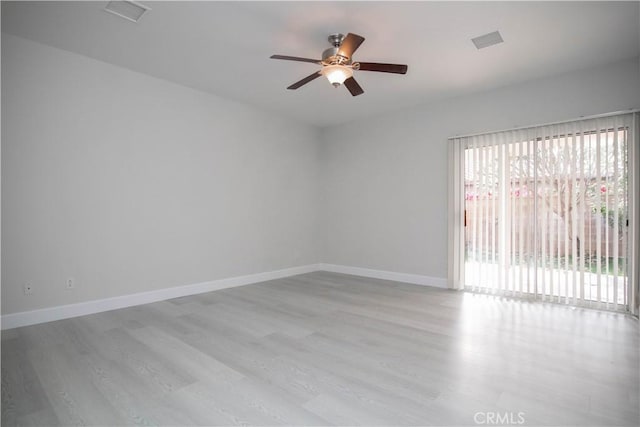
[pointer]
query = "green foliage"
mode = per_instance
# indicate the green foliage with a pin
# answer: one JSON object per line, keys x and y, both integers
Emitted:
{"x": 610, "y": 215}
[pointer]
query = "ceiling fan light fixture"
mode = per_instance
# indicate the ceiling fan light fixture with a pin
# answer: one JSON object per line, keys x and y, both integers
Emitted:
{"x": 337, "y": 74}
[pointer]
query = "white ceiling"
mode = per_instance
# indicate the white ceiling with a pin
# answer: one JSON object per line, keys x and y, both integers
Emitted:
{"x": 224, "y": 47}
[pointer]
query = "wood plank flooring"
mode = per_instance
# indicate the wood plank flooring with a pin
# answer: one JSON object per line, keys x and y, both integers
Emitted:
{"x": 325, "y": 349}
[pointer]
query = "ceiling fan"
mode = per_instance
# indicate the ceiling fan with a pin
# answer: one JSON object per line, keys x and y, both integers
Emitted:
{"x": 338, "y": 66}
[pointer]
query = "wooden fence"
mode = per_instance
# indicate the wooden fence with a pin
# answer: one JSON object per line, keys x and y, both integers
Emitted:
{"x": 523, "y": 215}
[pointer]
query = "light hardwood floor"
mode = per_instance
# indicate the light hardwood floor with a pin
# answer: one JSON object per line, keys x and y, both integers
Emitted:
{"x": 325, "y": 349}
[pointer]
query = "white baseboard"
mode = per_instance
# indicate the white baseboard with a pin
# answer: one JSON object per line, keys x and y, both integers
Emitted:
{"x": 26, "y": 318}
{"x": 33, "y": 317}
{"x": 415, "y": 279}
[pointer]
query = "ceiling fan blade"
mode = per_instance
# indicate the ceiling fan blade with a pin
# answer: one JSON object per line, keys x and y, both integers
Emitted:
{"x": 304, "y": 81}
{"x": 296, "y": 58}
{"x": 349, "y": 45}
{"x": 383, "y": 68}
{"x": 353, "y": 86}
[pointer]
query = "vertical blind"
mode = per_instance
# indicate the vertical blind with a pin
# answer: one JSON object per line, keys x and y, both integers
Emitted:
{"x": 544, "y": 212}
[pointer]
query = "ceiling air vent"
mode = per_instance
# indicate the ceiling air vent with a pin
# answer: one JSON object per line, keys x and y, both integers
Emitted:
{"x": 487, "y": 40}
{"x": 130, "y": 10}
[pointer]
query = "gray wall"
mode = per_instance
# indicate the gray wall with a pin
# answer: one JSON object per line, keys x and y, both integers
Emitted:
{"x": 385, "y": 178}
{"x": 129, "y": 183}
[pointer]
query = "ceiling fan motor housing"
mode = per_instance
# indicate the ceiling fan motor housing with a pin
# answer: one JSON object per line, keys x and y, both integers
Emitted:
{"x": 331, "y": 56}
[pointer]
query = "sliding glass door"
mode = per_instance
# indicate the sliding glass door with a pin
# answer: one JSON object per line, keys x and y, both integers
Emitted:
{"x": 546, "y": 213}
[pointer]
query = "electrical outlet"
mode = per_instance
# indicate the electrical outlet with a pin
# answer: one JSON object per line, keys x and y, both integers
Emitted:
{"x": 27, "y": 288}
{"x": 70, "y": 283}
